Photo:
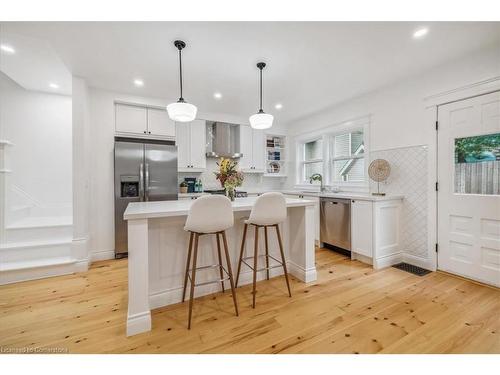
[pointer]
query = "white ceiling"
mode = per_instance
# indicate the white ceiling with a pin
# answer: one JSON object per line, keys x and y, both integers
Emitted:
{"x": 35, "y": 65}
{"x": 311, "y": 65}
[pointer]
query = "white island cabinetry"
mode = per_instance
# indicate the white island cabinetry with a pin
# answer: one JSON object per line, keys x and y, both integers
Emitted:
{"x": 157, "y": 252}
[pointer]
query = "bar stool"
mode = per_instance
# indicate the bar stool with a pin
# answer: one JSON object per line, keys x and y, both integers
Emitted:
{"x": 269, "y": 210}
{"x": 210, "y": 214}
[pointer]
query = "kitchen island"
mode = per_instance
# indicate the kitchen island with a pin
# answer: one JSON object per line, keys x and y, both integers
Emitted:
{"x": 157, "y": 252}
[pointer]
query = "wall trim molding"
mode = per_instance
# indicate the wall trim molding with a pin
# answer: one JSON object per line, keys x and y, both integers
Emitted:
{"x": 96, "y": 256}
{"x": 463, "y": 92}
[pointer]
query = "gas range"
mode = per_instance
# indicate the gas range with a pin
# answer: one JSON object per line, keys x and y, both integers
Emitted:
{"x": 239, "y": 194}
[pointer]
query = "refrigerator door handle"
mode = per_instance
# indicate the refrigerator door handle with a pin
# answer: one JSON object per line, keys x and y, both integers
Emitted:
{"x": 146, "y": 195}
{"x": 141, "y": 182}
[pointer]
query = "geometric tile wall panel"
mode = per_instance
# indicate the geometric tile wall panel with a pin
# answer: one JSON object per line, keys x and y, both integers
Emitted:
{"x": 409, "y": 178}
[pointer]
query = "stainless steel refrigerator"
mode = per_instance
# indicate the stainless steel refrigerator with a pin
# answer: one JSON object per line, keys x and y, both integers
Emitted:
{"x": 144, "y": 171}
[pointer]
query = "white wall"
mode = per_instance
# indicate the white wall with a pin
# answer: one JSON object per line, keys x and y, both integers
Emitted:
{"x": 400, "y": 116}
{"x": 102, "y": 127}
{"x": 39, "y": 125}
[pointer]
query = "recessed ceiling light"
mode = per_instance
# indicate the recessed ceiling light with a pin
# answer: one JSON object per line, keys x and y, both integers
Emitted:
{"x": 53, "y": 85}
{"x": 419, "y": 33}
{"x": 138, "y": 82}
{"x": 278, "y": 106}
{"x": 7, "y": 49}
{"x": 217, "y": 95}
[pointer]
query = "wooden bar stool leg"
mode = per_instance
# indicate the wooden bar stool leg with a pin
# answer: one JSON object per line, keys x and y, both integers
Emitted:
{"x": 193, "y": 279}
{"x": 256, "y": 250}
{"x": 220, "y": 262}
{"x": 230, "y": 272}
{"x": 283, "y": 259}
{"x": 241, "y": 254}
{"x": 187, "y": 266}
{"x": 267, "y": 252}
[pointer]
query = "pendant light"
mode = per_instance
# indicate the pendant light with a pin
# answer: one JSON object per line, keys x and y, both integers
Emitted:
{"x": 181, "y": 111}
{"x": 261, "y": 120}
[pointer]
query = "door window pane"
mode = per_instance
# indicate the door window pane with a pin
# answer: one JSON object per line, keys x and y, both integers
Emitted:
{"x": 313, "y": 150}
{"x": 477, "y": 164}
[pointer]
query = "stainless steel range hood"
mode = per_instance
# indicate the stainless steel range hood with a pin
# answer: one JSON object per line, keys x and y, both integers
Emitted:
{"x": 223, "y": 140}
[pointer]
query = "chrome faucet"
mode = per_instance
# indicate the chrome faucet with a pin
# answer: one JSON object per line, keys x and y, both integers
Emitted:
{"x": 317, "y": 177}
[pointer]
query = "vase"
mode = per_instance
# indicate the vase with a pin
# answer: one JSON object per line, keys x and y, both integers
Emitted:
{"x": 231, "y": 194}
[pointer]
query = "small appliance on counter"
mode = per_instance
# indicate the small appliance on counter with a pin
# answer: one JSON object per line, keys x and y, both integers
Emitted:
{"x": 190, "y": 181}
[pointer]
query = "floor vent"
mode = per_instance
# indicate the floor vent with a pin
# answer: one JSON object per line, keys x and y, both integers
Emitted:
{"x": 412, "y": 269}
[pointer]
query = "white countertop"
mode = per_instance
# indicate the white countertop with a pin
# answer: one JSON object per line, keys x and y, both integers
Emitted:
{"x": 158, "y": 209}
{"x": 344, "y": 195}
{"x": 190, "y": 195}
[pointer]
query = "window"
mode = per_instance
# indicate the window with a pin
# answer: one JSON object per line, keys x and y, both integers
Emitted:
{"x": 312, "y": 159}
{"x": 347, "y": 157}
{"x": 336, "y": 152}
{"x": 477, "y": 164}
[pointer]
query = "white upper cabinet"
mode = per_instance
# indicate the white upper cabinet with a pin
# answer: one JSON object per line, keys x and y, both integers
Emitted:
{"x": 159, "y": 123}
{"x": 253, "y": 149}
{"x": 139, "y": 120}
{"x": 131, "y": 119}
{"x": 191, "y": 146}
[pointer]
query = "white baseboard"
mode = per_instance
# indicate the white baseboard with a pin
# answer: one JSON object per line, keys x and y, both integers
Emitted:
{"x": 305, "y": 275}
{"x": 102, "y": 255}
{"x": 41, "y": 272}
{"x": 419, "y": 261}
{"x": 138, "y": 323}
{"x": 387, "y": 261}
{"x": 171, "y": 296}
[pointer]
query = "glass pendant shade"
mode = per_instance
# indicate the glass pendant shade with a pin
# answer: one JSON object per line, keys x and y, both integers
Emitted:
{"x": 181, "y": 111}
{"x": 261, "y": 120}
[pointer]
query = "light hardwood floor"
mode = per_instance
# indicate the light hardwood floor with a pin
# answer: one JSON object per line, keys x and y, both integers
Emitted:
{"x": 349, "y": 309}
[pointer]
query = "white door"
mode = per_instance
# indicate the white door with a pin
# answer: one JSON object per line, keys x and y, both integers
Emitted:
{"x": 130, "y": 119}
{"x": 159, "y": 123}
{"x": 182, "y": 142}
{"x": 468, "y": 196}
{"x": 198, "y": 146}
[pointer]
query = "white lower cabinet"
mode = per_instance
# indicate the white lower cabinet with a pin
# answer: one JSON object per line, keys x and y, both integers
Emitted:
{"x": 376, "y": 232}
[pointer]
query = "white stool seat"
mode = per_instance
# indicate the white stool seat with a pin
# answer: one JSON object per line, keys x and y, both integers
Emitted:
{"x": 210, "y": 214}
{"x": 269, "y": 209}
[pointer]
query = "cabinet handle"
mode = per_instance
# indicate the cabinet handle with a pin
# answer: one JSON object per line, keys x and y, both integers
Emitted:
{"x": 144, "y": 131}
{"x": 149, "y": 132}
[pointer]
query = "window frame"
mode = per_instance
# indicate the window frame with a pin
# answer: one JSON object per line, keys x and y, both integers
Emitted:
{"x": 332, "y": 158}
{"x": 327, "y": 134}
{"x": 301, "y": 178}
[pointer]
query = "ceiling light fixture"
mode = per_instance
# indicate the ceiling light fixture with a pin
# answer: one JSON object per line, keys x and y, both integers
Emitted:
{"x": 420, "y": 33}
{"x": 7, "y": 49}
{"x": 53, "y": 85}
{"x": 278, "y": 106}
{"x": 138, "y": 82}
{"x": 261, "y": 120}
{"x": 181, "y": 111}
{"x": 217, "y": 95}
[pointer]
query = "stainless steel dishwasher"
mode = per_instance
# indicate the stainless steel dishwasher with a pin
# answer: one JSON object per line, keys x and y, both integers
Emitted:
{"x": 335, "y": 222}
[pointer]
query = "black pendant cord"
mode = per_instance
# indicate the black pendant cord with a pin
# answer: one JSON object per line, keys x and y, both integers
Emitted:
{"x": 261, "y": 110}
{"x": 181, "y": 99}
{"x": 261, "y": 66}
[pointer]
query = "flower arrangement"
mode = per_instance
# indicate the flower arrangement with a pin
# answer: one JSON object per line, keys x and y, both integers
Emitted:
{"x": 228, "y": 175}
